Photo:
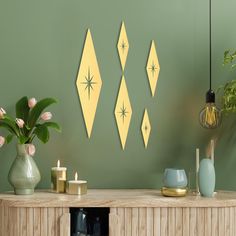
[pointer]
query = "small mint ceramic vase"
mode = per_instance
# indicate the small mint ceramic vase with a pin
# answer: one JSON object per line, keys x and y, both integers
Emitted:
{"x": 206, "y": 178}
{"x": 24, "y": 174}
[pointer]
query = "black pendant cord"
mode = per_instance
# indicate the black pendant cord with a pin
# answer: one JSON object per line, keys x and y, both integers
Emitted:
{"x": 210, "y": 46}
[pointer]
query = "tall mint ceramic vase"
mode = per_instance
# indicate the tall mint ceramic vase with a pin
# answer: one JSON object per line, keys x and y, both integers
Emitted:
{"x": 206, "y": 178}
{"x": 24, "y": 174}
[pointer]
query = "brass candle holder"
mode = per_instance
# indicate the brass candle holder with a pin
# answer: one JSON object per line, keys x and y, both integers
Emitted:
{"x": 58, "y": 178}
{"x": 77, "y": 187}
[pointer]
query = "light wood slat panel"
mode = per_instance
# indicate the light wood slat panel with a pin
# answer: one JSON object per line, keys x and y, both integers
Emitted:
{"x": 113, "y": 224}
{"x": 44, "y": 221}
{"x": 121, "y": 214}
{"x": 10, "y": 216}
{"x": 150, "y": 221}
{"x": 215, "y": 222}
{"x": 51, "y": 222}
{"x": 64, "y": 224}
{"x": 200, "y": 221}
{"x": 234, "y": 220}
{"x": 37, "y": 221}
{"x": 164, "y": 221}
{"x": 13, "y": 221}
{"x": 186, "y": 217}
{"x": 128, "y": 221}
{"x": 22, "y": 221}
{"x": 113, "y": 210}
{"x": 179, "y": 221}
{"x": 6, "y": 216}
{"x": 1, "y": 225}
{"x": 30, "y": 221}
{"x": 221, "y": 212}
{"x": 142, "y": 221}
{"x": 207, "y": 222}
{"x": 227, "y": 222}
{"x": 58, "y": 214}
{"x": 135, "y": 220}
{"x": 232, "y": 226}
{"x": 2, "y": 220}
{"x": 171, "y": 221}
{"x": 157, "y": 222}
{"x": 193, "y": 222}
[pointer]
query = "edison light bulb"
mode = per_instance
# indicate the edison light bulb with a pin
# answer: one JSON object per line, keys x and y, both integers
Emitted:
{"x": 210, "y": 115}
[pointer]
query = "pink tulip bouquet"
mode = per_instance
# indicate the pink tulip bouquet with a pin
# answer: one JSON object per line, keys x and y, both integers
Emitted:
{"x": 31, "y": 121}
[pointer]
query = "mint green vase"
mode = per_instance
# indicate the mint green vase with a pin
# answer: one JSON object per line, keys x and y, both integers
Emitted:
{"x": 24, "y": 174}
{"x": 206, "y": 178}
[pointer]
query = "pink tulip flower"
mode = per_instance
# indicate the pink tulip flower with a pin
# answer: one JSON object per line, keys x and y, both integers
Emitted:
{"x": 30, "y": 149}
{"x": 2, "y": 141}
{"x": 46, "y": 116}
{"x": 32, "y": 102}
{"x": 20, "y": 123}
{"x": 2, "y": 113}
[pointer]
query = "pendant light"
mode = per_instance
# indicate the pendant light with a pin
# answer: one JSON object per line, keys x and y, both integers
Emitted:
{"x": 210, "y": 116}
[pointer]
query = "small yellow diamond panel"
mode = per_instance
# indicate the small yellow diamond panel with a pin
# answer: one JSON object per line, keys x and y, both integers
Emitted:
{"x": 123, "y": 112}
{"x": 123, "y": 46}
{"x": 153, "y": 68}
{"x": 89, "y": 83}
{"x": 146, "y": 128}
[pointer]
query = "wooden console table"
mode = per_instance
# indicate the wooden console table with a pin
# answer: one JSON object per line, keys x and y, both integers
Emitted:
{"x": 132, "y": 213}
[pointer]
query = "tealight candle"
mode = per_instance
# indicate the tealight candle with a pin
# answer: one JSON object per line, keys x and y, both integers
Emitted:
{"x": 76, "y": 186}
{"x": 58, "y": 178}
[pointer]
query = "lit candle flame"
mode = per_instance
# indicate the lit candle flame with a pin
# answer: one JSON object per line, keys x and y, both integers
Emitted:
{"x": 58, "y": 163}
{"x": 76, "y": 176}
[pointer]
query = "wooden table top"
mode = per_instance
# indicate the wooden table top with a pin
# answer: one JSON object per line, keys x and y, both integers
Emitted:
{"x": 116, "y": 198}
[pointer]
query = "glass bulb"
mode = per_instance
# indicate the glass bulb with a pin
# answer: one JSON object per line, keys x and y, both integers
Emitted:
{"x": 210, "y": 116}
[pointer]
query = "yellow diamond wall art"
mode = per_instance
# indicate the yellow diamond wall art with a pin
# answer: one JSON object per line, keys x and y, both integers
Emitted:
{"x": 123, "y": 46}
{"x": 153, "y": 68}
{"x": 123, "y": 112}
{"x": 89, "y": 83}
{"x": 146, "y": 128}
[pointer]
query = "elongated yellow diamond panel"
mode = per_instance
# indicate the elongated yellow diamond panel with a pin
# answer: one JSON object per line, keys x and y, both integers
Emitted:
{"x": 123, "y": 112}
{"x": 153, "y": 68}
{"x": 89, "y": 83}
{"x": 123, "y": 46}
{"x": 146, "y": 128}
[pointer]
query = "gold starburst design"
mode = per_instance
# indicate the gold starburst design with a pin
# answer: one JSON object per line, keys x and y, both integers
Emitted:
{"x": 88, "y": 83}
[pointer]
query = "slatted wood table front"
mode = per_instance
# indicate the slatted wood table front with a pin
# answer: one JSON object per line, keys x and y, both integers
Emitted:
{"x": 132, "y": 213}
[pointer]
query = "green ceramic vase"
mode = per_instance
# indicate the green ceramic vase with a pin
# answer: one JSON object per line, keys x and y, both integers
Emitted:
{"x": 24, "y": 174}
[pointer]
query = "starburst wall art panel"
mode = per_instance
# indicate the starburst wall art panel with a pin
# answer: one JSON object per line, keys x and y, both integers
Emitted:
{"x": 146, "y": 128}
{"x": 123, "y": 112}
{"x": 153, "y": 68}
{"x": 89, "y": 83}
{"x": 123, "y": 46}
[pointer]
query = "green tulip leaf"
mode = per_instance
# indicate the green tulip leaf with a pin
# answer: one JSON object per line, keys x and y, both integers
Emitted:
{"x": 9, "y": 138}
{"x": 53, "y": 125}
{"x": 22, "y": 109}
{"x": 42, "y": 133}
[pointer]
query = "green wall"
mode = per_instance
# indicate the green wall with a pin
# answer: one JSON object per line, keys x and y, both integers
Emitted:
{"x": 40, "y": 49}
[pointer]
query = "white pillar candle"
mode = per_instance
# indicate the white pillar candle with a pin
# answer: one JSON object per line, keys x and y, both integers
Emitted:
{"x": 76, "y": 186}
{"x": 58, "y": 178}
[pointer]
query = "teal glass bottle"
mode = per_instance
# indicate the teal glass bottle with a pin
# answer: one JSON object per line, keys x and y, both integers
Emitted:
{"x": 206, "y": 177}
